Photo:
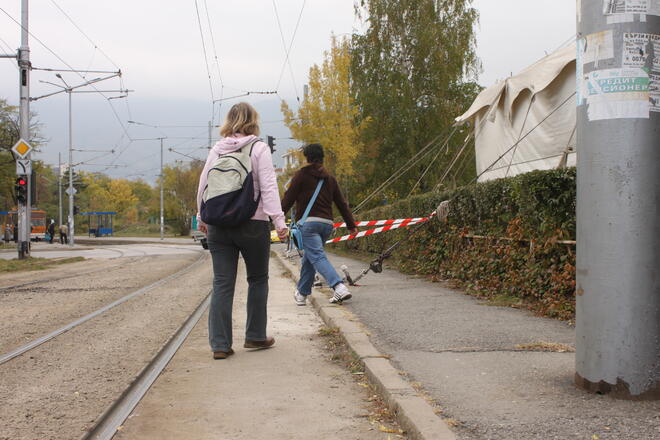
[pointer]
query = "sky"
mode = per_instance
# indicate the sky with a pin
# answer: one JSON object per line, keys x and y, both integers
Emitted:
{"x": 160, "y": 48}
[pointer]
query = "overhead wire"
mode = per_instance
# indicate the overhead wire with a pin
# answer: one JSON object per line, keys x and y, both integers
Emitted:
{"x": 421, "y": 154}
{"x": 52, "y": 52}
{"x": 206, "y": 60}
{"x": 101, "y": 51}
{"x": 446, "y": 142}
{"x": 287, "y": 52}
{"x": 215, "y": 52}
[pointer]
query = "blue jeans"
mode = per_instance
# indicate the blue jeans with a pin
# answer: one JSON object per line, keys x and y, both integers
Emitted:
{"x": 314, "y": 259}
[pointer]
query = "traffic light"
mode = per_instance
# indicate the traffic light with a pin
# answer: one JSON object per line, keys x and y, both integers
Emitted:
{"x": 271, "y": 143}
{"x": 76, "y": 210}
{"x": 21, "y": 189}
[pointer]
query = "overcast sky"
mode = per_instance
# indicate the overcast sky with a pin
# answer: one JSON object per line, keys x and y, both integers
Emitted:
{"x": 158, "y": 47}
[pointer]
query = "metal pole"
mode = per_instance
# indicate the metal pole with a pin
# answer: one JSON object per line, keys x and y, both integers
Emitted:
{"x": 162, "y": 217}
{"x": 210, "y": 134}
{"x": 618, "y": 188}
{"x": 71, "y": 215}
{"x": 23, "y": 209}
{"x": 59, "y": 190}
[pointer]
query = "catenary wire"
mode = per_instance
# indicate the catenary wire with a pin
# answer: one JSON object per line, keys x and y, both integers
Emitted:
{"x": 114, "y": 111}
{"x": 84, "y": 34}
{"x": 287, "y": 51}
{"x": 206, "y": 60}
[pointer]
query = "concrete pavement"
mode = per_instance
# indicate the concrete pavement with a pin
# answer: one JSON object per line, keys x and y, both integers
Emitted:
{"x": 291, "y": 391}
{"x": 484, "y": 365}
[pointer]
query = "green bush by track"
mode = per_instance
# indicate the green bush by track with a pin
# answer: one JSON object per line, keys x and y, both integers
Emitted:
{"x": 504, "y": 239}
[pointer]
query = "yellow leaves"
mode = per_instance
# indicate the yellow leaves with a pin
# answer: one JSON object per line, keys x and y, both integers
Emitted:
{"x": 327, "y": 114}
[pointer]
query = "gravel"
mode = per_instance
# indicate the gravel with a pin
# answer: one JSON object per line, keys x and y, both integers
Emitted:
{"x": 57, "y": 390}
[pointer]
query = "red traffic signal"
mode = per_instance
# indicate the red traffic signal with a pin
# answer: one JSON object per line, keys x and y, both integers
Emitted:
{"x": 21, "y": 189}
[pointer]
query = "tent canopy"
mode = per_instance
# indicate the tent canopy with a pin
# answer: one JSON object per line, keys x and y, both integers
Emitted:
{"x": 526, "y": 122}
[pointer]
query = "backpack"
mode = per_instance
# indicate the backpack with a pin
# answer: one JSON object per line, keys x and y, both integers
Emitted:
{"x": 228, "y": 199}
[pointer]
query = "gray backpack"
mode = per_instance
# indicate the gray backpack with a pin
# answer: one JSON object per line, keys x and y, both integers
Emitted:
{"x": 228, "y": 199}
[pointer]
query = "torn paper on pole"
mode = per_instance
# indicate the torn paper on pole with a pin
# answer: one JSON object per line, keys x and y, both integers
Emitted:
{"x": 624, "y": 11}
{"x": 617, "y": 94}
{"x": 654, "y": 92}
{"x": 597, "y": 47}
{"x": 636, "y": 49}
{"x": 612, "y": 7}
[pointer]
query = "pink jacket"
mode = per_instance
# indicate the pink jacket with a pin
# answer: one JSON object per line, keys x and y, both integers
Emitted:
{"x": 264, "y": 178}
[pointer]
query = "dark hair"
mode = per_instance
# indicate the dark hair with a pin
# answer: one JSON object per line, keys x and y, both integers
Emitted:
{"x": 313, "y": 153}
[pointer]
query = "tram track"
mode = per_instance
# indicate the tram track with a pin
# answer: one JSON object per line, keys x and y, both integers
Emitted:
{"x": 6, "y": 357}
{"x": 122, "y": 254}
{"x": 114, "y": 416}
{"x": 66, "y": 277}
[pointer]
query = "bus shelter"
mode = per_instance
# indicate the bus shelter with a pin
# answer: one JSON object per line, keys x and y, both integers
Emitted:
{"x": 99, "y": 223}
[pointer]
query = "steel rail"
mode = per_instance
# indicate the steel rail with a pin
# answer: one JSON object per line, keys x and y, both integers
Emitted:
{"x": 50, "y": 280}
{"x": 120, "y": 409}
{"x": 36, "y": 342}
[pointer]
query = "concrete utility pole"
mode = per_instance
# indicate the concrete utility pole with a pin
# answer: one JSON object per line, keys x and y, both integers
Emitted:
{"x": 70, "y": 191}
{"x": 618, "y": 189}
{"x": 24, "y": 209}
{"x": 69, "y": 90}
{"x": 162, "y": 215}
{"x": 59, "y": 190}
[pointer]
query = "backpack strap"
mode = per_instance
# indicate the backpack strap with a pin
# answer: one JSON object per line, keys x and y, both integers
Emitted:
{"x": 311, "y": 202}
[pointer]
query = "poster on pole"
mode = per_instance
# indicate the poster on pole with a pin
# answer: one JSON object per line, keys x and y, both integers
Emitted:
{"x": 636, "y": 49}
{"x": 617, "y": 94}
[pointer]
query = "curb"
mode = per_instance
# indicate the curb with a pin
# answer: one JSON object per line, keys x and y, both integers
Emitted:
{"x": 413, "y": 413}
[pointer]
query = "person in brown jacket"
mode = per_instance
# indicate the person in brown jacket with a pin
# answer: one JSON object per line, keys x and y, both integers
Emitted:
{"x": 319, "y": 224}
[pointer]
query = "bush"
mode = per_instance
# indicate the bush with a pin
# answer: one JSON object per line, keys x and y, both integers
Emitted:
{"x": 518, "y": 223}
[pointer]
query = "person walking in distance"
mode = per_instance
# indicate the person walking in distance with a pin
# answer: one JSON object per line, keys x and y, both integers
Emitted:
{"x": 51, "y": 231}
{"x": 319, "y": 224}
{"x": 236, "y": 198}
{"x": 64, "y": 231}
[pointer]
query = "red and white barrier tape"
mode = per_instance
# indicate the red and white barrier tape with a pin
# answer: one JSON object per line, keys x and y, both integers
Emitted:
{"x": 383, "y": 222}
{"x": 402, "y": 224}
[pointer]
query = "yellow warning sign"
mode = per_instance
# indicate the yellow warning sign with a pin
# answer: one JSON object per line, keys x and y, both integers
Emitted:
{"x": 21, "y": 149}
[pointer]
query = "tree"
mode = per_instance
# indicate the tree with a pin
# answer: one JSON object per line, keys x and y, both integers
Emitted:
{"x": 180, "y": 187}
{"x": 327, "y": 115}
{"x": 412, "y": 72}
{"x": 9, "y": 135}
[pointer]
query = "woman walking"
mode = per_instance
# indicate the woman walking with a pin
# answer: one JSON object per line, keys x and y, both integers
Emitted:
{"x": 319, "y": 224}
{"x": 251, "y": 237}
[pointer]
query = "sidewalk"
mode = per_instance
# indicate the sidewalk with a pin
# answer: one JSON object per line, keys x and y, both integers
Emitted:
{"x": 483, "y": 364}
{"x": 291, "y": 391}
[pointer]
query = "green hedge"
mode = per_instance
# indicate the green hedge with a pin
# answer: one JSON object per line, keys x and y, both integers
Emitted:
{"x": 532, "y": 212}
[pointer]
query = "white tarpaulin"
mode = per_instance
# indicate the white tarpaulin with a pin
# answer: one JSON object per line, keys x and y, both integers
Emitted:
{"x": 521, "y": 125}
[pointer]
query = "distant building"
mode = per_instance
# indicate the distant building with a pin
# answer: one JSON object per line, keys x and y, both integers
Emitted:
{"x": 291, "y": 159}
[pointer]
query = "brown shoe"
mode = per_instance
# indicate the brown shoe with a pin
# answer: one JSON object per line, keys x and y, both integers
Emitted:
{"x": 222, "y": 354}
{"x": 259, "y": 344}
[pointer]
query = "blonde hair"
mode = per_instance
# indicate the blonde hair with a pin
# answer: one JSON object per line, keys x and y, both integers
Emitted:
{"x": 242, "y": 118}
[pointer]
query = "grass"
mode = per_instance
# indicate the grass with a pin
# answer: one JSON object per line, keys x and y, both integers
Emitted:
{"x": 16, "y": 265}
{"x": 546, "y": 346}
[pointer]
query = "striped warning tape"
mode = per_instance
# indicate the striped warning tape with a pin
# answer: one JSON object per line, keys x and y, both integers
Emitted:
{"x": 382, "y": 222}
{"x": 402, "y": 224}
